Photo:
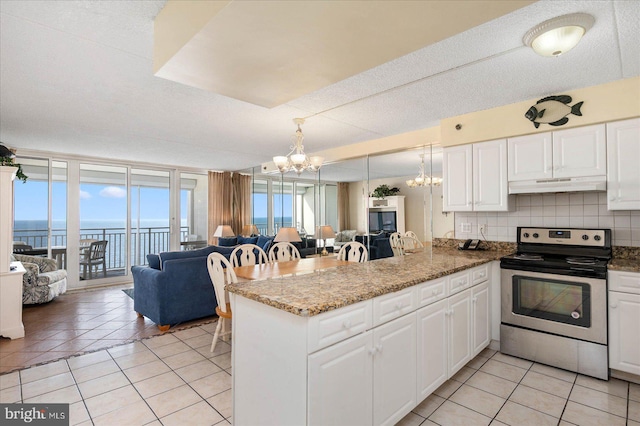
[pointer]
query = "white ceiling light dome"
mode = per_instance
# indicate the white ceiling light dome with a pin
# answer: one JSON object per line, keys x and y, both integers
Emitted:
{"x": 558, "y": 35}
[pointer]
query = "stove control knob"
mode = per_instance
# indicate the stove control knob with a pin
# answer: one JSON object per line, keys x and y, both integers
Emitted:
{"x": 597, "y": 237}
{"x": 535, "y": 235}
{"x": 526, "y": 235}
{"x": 585, "y": 237}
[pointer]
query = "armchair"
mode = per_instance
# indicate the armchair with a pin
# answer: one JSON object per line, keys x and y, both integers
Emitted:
{"x": 43, "y": 281}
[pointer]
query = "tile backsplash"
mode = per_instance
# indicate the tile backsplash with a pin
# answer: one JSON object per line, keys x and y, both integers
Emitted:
{"x": 570, "y": 210}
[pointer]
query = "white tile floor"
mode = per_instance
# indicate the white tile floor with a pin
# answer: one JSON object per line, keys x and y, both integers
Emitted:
{"x": 173, "y": 379}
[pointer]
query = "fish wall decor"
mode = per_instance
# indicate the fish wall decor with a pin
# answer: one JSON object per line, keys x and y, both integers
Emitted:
{"x": 553, "y": 110}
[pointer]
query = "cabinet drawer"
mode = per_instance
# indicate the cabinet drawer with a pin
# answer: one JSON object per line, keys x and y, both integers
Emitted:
{"x": 333, "y": 326}
{"x": 626, "y": 282}
{"x": 431, "y": 291}
{"x": 459, "y": 281}
{"x": 480, "y": 274}
{"x": 393, "y": 305}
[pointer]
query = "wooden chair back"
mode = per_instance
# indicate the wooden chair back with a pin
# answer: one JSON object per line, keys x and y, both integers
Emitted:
{"x": 283, "y": 252}
{"x": 410, "y": 243}
{"x": 353, "y": 252}
{"x": 248, "y": 254}
{"x": 221, "y": 273}
{"x": 396, "y": 244}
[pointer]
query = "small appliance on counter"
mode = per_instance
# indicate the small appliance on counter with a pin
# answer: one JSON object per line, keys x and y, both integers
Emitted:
{"x": 554, "y": 299}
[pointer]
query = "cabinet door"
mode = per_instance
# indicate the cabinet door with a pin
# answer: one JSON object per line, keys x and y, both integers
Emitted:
{"x": 432, "y": 337}
{"x": 580, "y": 152}
{"x": 490, "y": 186}
{"x": 459, "y": 313}
{"x": 480, "y": 318}
{"x": 623, "y": 158}
{"x": 334, "y": 396}
{"x": 530, "y": 157}
{"x": 456, "y": 181}
{"x": 624, "y": 339}
{"x": 394, "y": 370}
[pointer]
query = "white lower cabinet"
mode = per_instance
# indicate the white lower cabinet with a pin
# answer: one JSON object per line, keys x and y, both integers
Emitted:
{"x": 340, "y": 383}
{"x": 373, "y": 374}
{"x": 432, "y": 339}
{"x": 624, "y": 321}
{"x": 481, "y": 318}
{"x": 459, "y": 314}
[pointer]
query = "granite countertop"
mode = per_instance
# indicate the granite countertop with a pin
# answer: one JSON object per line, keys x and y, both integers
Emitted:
{"x": 627, "y": 265}
{"x": 321, "y": 291}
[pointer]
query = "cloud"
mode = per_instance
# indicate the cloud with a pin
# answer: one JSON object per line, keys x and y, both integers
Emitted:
{"x": 84, "y": 195}
{"x": 113, "y": 192}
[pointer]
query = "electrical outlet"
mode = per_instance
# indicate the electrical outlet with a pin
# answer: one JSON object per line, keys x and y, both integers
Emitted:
{"x": 483, "y": 228}
{"x": 465, "y": 228}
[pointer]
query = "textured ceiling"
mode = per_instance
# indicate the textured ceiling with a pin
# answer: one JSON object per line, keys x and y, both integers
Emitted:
{"x": 76, "y": 78}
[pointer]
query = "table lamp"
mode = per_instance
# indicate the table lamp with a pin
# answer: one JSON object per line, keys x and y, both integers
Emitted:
{"x": 249, "y": 230}
{"x": 324, "y": 232}
{"x": 287, "y": 234}
{"x": 223, "y": 231}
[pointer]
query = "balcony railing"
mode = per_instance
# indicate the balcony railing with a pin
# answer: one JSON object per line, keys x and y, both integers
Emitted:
{"x": 143, "y": 241}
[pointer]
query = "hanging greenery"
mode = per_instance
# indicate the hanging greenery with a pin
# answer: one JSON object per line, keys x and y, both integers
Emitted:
{"x": 7, "y": 159}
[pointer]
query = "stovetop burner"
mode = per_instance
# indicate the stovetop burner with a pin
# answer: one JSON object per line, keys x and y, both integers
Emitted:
{"x": 582, "y": 260}
{"x": 528, "y": 256}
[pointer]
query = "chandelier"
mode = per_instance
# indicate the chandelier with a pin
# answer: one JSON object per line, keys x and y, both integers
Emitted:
{"x": 422, "y": 179}
{"x": 297, "y": 160}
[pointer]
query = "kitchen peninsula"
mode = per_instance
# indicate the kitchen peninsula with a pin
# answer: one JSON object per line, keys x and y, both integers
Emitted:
{"x": 358, "y": 344}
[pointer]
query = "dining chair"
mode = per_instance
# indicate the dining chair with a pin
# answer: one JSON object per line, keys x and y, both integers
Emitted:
{"x": 95, "y": 256}
{"x": 410, "y": 243}
{"x": 412, "y": 235}
{"x": 248, "y": 254}
{"x": 221, "y": 273}
{"x": 353, "y": 252}
{"x": 396, "y": 244}
{"x": 283, "y": 252}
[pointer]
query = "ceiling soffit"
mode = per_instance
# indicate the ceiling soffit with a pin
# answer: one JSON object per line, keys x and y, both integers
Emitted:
{"x": 269, "y": 53}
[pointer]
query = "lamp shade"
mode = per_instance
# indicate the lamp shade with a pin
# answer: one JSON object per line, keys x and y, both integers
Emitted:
{"x": 325, "y": 231}
{"x": 249, "y": 230}
{"x": 558, "y": 35}
{"x": 287, "y": 234}
{"x": 224, "y": 231}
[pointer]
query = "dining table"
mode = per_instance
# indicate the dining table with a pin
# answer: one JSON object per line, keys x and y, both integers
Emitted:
{"x": 277, "y": 269}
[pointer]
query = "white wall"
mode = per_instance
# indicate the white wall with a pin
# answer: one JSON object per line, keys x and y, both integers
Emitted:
{"x": 575, "y": 210}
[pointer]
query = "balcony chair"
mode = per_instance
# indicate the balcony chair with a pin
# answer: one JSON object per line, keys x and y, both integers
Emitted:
{"x": 94, "y": 257}
{"x": 283, "y": 252}
{"x": 353, "y": 252}
{"x": 248, "y": 254}
{"x": 21, "y": 247}
{"x": 221, "y": 273}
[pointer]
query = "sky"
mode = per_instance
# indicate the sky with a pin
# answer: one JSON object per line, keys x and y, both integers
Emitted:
{"x": 97, "y": 202}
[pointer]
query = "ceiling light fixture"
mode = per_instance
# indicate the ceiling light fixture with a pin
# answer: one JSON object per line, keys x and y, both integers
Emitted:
{"x": 422, "y": 179}
{"x": 558, "y": 35}
{"x": 297, "y": 160}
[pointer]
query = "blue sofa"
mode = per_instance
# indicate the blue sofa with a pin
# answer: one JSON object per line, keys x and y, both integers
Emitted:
{"x": 175, "y": 287}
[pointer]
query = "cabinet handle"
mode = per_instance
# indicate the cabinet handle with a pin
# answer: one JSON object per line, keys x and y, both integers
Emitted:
{"x": 612, "y": 198}
{"x": 475, "y": 299}
{"x": 379, "y": 347}
{"x": 481, "y": 274}
{"x": 399, "y": 305}
{"x": 372, "y": 351}
{"x": 346, "y": 324}
{"x": 613, "y": 305}
{"x": 435, "y": 292}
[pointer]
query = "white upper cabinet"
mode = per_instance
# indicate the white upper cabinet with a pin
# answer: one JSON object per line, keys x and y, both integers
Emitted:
{"x": 456, "y": 182}
{"x": 530, "y": 157}
{"x": 623, "y": 165}
{"x": 580, "y": 152}
{"x": 490, "y": 185}
{"x": 475, "y": 177}
{"x": 571, "y": 153}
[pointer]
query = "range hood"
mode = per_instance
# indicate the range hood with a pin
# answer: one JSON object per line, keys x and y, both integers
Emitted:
{"x": 589, "y": 183}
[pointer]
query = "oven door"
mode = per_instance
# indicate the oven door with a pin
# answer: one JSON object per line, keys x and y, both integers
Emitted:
{"x": 559, "y": 304}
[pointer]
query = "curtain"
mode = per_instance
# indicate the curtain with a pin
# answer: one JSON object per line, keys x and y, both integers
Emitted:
{"x": 343, "y": 206}
{"x": 220, "y": 202}
{"x": 241, "y": 201}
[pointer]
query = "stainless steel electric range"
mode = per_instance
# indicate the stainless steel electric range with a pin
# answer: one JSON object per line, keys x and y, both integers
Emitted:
{"x": 554, "y": 299}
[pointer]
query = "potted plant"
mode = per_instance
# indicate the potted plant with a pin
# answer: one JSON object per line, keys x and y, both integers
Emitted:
{"x": 384, "y": 191}
{"x": 7, "y": 159}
